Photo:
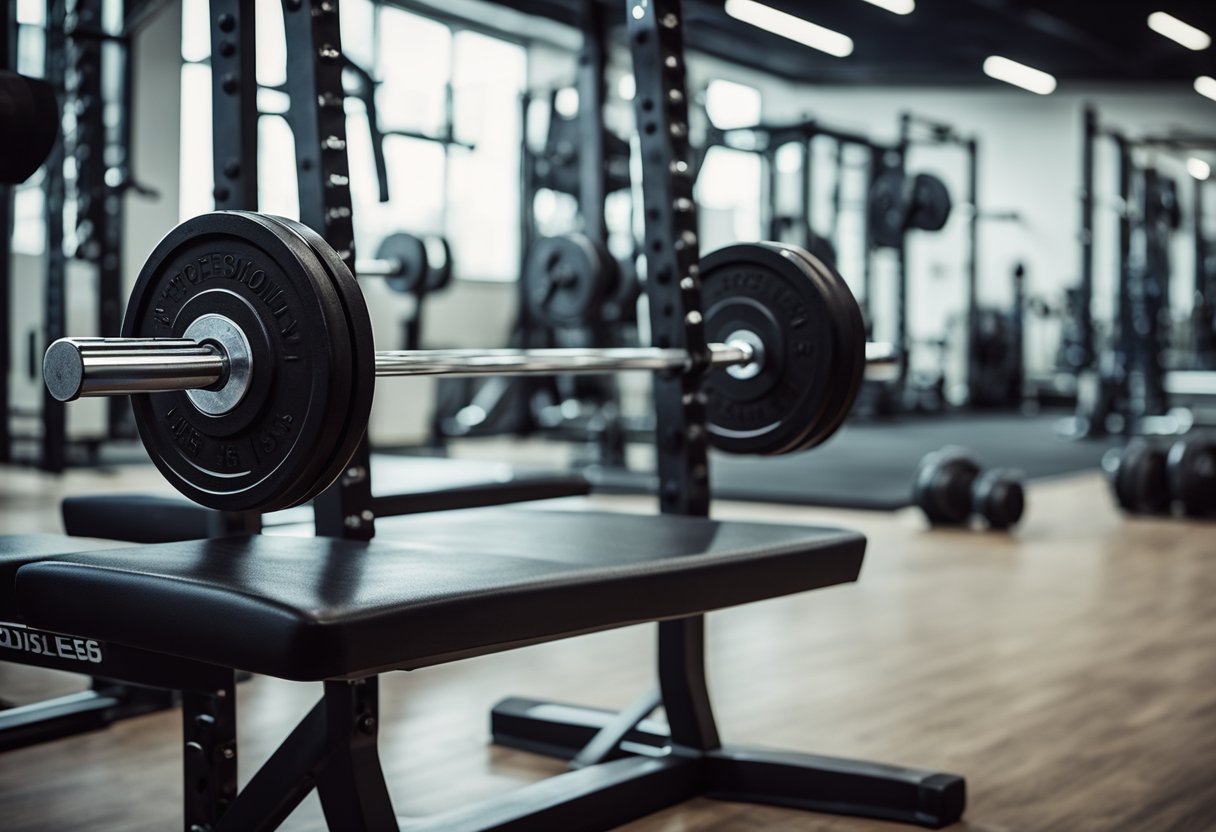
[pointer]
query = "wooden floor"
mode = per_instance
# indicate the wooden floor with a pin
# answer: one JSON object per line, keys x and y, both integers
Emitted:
{"x": 1068, "y": 671}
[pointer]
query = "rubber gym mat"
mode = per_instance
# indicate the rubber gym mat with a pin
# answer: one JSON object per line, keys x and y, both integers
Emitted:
{"x": 869, "y": 465}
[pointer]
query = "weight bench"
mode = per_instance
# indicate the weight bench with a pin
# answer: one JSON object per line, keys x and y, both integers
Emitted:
{"x": 107, "y": 700}
{"x": 341, "y": 612}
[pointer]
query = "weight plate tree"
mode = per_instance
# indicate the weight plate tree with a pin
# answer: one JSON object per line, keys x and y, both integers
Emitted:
{"x": 250, "y": 347}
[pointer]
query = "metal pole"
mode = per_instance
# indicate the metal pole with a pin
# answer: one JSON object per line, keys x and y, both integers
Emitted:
{"x": 1086, "y": 287}
{"x": 318, "y": 121}
{"x": 76, "y": 367}
{"x": 1205, "y": 294}
{"x": 973, "y": 272}
{"x": 901, "y": 289}
{"x": 8, "y": 59}
{"x": 234, "y": 112}
{"x": 53, "y": 456}
{"x": 1127, "y": 342}
{"x": 807, "y": 185}
{"x": 593, "y": 185}
{"x": 774, "y": 214}
{"x": 73, "y": 368}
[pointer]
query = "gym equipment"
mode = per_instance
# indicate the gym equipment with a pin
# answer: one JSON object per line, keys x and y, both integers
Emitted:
{"x": 567, "y": 279}
{"x": 410, "y": 264}
{"x": 1148, "y": 479}
{"x": 951, "y": 488}
{"x": 888, "y": 208}
{"x": 821, "y": 249}
{"x": 557, "y": 166}
{"x": 898, "y": 203}
{"x": 1124, "y": 381}
{"x": 180, "y": 615}
{"x": 226, "y": 295}
{"x": 29, "y": 125}
{"x": 996, "y": 367}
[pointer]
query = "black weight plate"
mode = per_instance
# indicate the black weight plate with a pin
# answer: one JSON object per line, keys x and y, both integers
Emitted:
{"x": 621, "y": 304}
{"x": 821, "y": 249}
{"x": 999, "y": 497}
{"x": 566, "y": 280}
{"x": 887, "y": 208}
{"x": 1140, "y": 481}
{"x": 30, "y": 125}
{"x": 1192, "y": 475}
{"x": 931, "y": 203}
{"x": 942, "y": 487}
{"x": 850, "y": 369}
{"x": 412, "y": 265}
{"x": 330, "y": 450}
{"x": 263, "y": 455}
{"x": 438, "y": 263}
{"x": 768, "y": 290}
{"x": 362, "y": 354}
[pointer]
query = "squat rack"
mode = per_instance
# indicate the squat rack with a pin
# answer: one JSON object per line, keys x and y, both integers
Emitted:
{"x": 939, "y": 133}
{"x": 1127, "y": 347}
{"x": 804, "y": 133}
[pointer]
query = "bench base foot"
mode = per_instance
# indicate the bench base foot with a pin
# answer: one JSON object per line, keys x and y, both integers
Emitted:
{"x": 78, "y": 713}
{"x": 800, "y": 781}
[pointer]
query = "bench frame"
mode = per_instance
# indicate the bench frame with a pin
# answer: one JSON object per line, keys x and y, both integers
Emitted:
{"x": 623, "y": 766}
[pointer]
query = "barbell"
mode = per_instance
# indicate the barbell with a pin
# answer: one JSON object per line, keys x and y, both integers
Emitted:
{"x": 410, "y": 264}
{"x": 248, "y": 349}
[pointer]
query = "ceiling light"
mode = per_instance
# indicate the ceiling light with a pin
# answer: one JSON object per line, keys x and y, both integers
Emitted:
{"x": 1206, "y": 85}
{"x": 1198, "y": 168}
{"x": 1020, "y": 75}
{"x": 788, "y": 26}
{"x": 1183, "y": 33}
{"x": 895, "y": 6}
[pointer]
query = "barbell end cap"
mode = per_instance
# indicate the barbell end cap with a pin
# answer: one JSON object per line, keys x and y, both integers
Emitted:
{"x": 63, "y": 370}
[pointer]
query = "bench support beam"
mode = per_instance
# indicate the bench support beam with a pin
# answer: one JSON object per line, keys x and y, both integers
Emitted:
{"x": 799, "y": 781}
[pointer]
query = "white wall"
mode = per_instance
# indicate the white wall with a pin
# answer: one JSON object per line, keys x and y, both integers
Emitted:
{"x": 1030, "y": 163}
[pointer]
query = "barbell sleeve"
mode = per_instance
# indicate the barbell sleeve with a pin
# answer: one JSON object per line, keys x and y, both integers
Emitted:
{"x": 76, "y": 367}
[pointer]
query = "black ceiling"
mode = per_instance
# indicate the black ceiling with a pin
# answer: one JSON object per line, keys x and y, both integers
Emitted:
{"x": 946, "y": 41}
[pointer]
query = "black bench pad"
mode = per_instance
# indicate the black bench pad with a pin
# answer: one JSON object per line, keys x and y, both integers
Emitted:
{"x": 446, "y": 586}
{"x": 17, "y": 550}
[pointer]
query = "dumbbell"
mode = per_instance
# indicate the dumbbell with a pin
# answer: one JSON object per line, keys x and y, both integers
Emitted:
{"x": 951, "y": 488}
{"x": 248, "y": 347}
{"x": 1148, "y": 479}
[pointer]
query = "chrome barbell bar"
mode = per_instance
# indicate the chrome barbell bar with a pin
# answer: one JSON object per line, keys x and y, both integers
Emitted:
{"x": 82, "y": 367}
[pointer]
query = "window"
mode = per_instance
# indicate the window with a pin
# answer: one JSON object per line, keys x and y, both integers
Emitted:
{"x": 427, "y": 73}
